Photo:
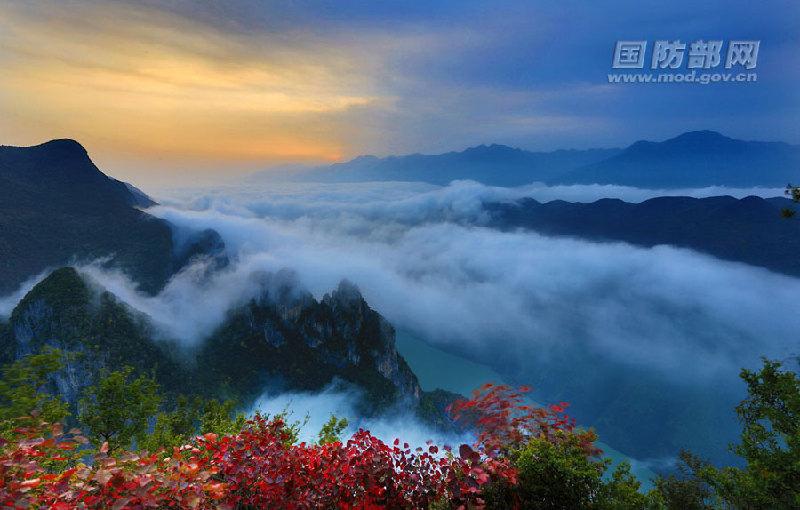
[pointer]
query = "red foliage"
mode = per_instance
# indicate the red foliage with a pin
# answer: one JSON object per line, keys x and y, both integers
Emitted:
{"x": 505, "y": 421}
{"x": 257, "y": 468}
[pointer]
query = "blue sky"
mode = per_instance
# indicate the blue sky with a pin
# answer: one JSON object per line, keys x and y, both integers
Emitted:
{"x": 243, "y": 84}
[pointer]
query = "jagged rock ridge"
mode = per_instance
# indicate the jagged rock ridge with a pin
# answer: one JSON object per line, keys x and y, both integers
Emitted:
{"x": 285, "y": 338}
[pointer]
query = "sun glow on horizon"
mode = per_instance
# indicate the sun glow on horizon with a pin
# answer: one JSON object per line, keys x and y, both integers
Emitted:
{"x": 140, "y": 83}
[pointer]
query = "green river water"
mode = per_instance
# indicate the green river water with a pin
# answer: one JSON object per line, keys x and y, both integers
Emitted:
{"x": 436, "y": 368}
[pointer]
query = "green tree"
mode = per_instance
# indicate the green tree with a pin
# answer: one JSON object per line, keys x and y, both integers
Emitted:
{"x": 332, "y": 430}
{"x": 792, "y": 192}
{"x": 117, "y": 408}
{"x": 683, "y": 490}
{"x": 551, "y": 475}
{"x": 221, "y": 418}
{"x": 770, "y": 444}
{"x": 292, "y": 429}
{"x": 623, "y": 492}
{"x": 24, "y": 393}
{"x": 191, "y": 417}
{"x": 173, "y": 428}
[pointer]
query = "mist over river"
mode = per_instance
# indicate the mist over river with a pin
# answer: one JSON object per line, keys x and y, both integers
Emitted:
{"x": 646, "y": 343}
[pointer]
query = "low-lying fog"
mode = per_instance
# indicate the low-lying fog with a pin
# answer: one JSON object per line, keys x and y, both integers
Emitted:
{"x": 608, "y": 326}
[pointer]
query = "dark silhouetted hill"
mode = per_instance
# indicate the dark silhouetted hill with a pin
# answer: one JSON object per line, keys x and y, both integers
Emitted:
{"x": 496, "y": 165}
{"x": 749, "y": 230}
{"x": 694, "y": 159}
{"x": 57, "y": 207}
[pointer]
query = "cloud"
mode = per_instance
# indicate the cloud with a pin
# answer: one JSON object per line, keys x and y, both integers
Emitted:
{"x": 192, "y": 304}
{"x": 166, "y": 87}
{"x": 423, "y": 260}
{"x": 161, "y": 91}
{"x": 10, "y": 301}
{"x": 647, "y": 343}
{"x": 651, "y": 331}
{"x": 314, "y": 409}
{"x": 404, "y": 202}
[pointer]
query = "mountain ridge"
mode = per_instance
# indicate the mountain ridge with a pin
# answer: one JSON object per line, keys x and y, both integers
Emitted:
{"x": 694, "y": 158}
{"x": 284, "y": 336}
{"x": 57, "y": 207}
{"x": 748, "y": 230}
{"x": 480, "y": 163}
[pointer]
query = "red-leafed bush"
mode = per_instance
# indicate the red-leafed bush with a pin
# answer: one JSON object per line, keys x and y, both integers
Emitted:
{"x": 43, "y": 467}
{"x": 505, "y": 420}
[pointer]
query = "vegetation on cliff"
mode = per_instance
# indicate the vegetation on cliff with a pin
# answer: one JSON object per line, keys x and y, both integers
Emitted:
{"x": 523, "y": 457}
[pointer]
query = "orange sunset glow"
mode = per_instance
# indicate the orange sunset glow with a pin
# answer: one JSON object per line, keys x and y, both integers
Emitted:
{"x": 164, "y": 88}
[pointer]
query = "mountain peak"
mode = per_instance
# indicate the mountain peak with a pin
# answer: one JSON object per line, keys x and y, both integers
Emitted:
{"x": 492, "y": 149}
{"x": 62, "y": 157}
{"x": 704, "y": 135}
{"x": 365, "y": 157}
{"x": 689, "y": 138}
{"x": 346, "y": 294}
{"x": 694, "y": 159}
{"x": 64, "y": 287}
{"x": 63, "y": 148}
{"x": 68, "y": 143}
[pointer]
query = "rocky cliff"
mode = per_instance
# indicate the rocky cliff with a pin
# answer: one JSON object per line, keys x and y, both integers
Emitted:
{"x": 285, "y": 339}
{"x": 289, "y": 339}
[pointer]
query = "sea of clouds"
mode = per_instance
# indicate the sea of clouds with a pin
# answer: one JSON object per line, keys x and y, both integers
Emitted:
{"x": 424, "y": 259}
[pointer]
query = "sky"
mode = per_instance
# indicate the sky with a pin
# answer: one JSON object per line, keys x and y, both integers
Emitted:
{"x": 181, "y": 91}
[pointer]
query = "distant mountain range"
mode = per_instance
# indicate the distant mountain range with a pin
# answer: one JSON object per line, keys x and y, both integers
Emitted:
{"x": 693, "y": 159}
{"x": 57, "y": 207}
{"x": 496, "y": 165}
{"x": 749, "y": 230}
